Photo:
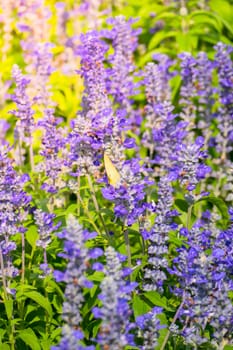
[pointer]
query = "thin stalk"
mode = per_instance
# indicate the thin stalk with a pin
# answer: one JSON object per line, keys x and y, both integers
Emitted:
{"x": 4, "y": 282}
{"x": 20, "y": 154}
{"x": 78, "y": 197}
{"x": 127, "y": 244}
{"x": 88, "y": 215}
{"x": 93, "y": 195}
{"x": 31, "y": 156}
{"x": 47, "y": 317}
{"x": 189, "y": 216}
{"x": 23, "y": 259}
{"x": 3, "y": 276}
{"x": 172, "y": 324}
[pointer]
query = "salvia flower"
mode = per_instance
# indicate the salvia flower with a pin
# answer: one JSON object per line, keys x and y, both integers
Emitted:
{"x": 149, "y": 327}
{"x": 114, "y": 312}
{"x": 197, "y": 92}
{"x": 121, "y": 84}
{"x": 14, "y": 204}
{"x": 75, "y": 278}
{"x": 52, "y": 149}
{"x": 45, "y": 226}
{"x": 24, "y": 112}
{"x": 155, "y": 271}
{"x": 129, "y": 194}
{"x": 163, "y": 133}
{"x": 42, "y": 69}
{"x": 224, "y": 139}
{"x": 93, "y": 124}
{"x": 190, "y": 168}
{"x": 71, "y": 340}
{"x": 204, "y": 273}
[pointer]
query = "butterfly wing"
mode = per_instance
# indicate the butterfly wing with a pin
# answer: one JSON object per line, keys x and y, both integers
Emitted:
{"x": 112, "y": 173}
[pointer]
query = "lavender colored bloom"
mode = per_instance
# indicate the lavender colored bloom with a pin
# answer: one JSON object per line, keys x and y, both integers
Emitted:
{"x": 14, "y": 205}
{"x": 42, "y": 64}
{"x": 115, "y": 311}
{"x": 4, "y": 126}
{"x": 129, "y": 194}
{"x": 149, "y": 327}
{"x": 163, "y": 133}
{"x": 93, "y": 125}
{"x": 196, "y": 91}
{"x": 224, "y": 139}
{"x": 52, "y": 149}
{"x": 190, "y": 168}
{"x": 71, "y": 340}
{"x": 62, "y": 17}
{"x": 204, "y": 271}
{"x": 44, "y": 222}
{"x": 124, "y": 42}
{"x": 24, "y": 112}
{"x": 155, "y": 271}
{"x": 75, "y": 278}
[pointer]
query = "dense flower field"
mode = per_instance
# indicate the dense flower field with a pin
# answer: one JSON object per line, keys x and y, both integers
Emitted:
{"x": 116, "y": 175}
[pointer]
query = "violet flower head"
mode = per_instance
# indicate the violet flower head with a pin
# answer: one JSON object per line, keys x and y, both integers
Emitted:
{"x": 24, "y": 112}
{"x": 124, "y": 42}
{"x": 75, "y": 275}
{"x": 197, "y": 92}
{"x": 204, "y": 269}
{"x": 224, "y": 67}
{"x": 71, "y": 340}
{"x": 149, "y": 327}
{"x": 163, "y": 133}
{"x": 14, "y": 204}
{"x": 44, "y": 223}
{"x": 93, "y": 125}
{"x": 42, "y": 65}
{"x": 115, "y": 311}
{"x": 45, "y": 226}
{"x": 190, "y": 167}
{"x": 52, "y": 149}
{"x": 155, "y": 271}
{"x": 129, "y": 194}
{"x": 4, "y": 126}
{"x": 62, "y": 17}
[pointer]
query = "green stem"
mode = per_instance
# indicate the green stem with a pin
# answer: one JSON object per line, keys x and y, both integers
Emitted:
{"x": 127, "y": 244}
{"x": 31, "y": 156}
{"x": 189, "y": 216}
{"x": 172, "y": 324}
{"x": 3, "y": 276}
{"x": 78, "y": 197}
{"x": 23, "y": 259}
{"x": 93, "y": 195}
{"x": 6, "y": 298}
{"x": 88, "y": 215}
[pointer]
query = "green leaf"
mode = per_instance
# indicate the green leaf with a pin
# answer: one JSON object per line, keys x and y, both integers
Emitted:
{"x": 5, "y": 347}
{"x": 40, "y": 300}
{"x": 157, "y": 300}
{"x": 56, "y": 333}
{"x": 32, "y": 236}
{"x": 9, "y": 308}
{"x": 46, "y": 344}
{"x": 182, "y": 205}
{"x": 221, "y": 205}
{"x": 160, "y": 36}
{"x": 139, "y": 306}
{"x": 29, "y": 338}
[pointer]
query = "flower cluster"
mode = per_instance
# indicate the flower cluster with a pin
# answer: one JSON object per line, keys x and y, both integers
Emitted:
{"x": 115, "y": 312}
{"x": 204, "y": 269}
{"x": 14, "y": 205}
{"x": 77, "y": 255}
